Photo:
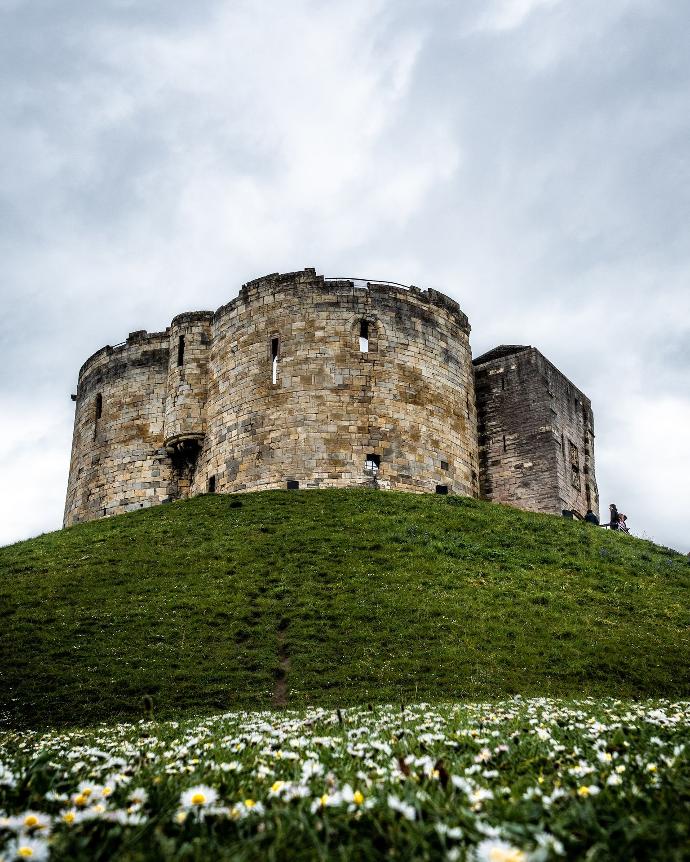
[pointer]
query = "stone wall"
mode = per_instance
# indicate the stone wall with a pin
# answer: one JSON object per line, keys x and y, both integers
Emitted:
{"x": 119, "y": 462}
{"x": 314, "y": 382}
{"x": 408, "y": 400}
{"x": 536, "y": 433}
{"x": 275, "y": 388}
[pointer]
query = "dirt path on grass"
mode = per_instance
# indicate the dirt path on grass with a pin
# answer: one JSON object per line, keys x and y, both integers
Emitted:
{"x": 280, "y": 687}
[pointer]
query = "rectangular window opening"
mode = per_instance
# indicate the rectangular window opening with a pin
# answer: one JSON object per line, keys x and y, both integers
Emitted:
{"x": 292, "y": 485}
{"x": 372, "y": 463}
{"x": 442, "y": 489}
{"x": 574, "y": 465}
{"x": 211, "y": 484}
{"x": 180, "y": 351}
{"x": 364, "y": 336}
{"x": 505, "y": 447}
{"x": 444, "y": 465}
{"x": 275, "y": 347}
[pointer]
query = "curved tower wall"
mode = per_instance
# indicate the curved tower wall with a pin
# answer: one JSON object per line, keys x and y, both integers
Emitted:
{"x": 187, "y": 382}
{"x": 409, "y": 400}
{"x": 118, "y": 459}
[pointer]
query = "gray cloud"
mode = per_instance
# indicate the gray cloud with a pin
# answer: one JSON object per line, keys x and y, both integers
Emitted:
{"x": 528, "y": 157}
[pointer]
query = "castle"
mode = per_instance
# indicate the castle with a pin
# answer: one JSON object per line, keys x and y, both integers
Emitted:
{"x": 308, "y": 382}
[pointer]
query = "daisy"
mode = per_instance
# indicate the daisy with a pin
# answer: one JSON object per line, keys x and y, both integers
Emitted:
{"x": 29, "y": 848}
{"x": 492, "y": 850}
{"x": 34, "y": 822}
{"x": 197, "y": 798}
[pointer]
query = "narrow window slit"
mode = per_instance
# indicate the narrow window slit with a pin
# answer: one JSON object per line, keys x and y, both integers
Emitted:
{"x": 180, "y": 351}
{"x": 275, "y": 347}
{"x": 364, "y": 336}
{"x": 574, "y": 465}
{"x": 211, "y": 484}
{"x": 505, "y": 448}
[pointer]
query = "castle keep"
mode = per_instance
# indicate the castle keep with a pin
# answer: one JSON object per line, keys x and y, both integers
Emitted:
{"x": 308, "y": 382}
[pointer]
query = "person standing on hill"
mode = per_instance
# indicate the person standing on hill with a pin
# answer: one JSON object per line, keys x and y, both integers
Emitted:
{"x": 613, "y": 523}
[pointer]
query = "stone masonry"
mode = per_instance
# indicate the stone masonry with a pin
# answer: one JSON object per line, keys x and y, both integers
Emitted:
{"x": 535, "y": 433}
{"x": 308, "y": 382}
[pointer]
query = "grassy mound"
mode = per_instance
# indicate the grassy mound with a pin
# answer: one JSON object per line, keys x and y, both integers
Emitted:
{"x": 332, "y": 597}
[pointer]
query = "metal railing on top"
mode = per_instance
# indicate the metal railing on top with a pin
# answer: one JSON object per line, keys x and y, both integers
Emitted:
{"x": 367, "y": 281}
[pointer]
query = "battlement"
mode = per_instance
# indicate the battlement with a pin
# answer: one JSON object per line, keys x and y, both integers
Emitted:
{"x": 115, "y": 352}
{"x": 300, "y": 380}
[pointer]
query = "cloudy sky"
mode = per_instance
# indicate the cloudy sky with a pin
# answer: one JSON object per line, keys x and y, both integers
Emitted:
{"x": 531, "y": 158}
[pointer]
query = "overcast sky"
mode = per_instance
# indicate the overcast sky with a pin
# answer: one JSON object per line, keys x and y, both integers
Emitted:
{"x": 531, "y": 158}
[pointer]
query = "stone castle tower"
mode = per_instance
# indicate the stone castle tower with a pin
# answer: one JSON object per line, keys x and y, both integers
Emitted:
{"x": 303, "y": 381}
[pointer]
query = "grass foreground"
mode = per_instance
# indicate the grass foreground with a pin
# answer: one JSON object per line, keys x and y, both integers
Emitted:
{"x": 512, "y": 781}
{"x": 332, "y": 598}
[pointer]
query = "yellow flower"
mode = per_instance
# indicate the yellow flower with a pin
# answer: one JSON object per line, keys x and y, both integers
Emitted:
{"x": 583, "y": 791}
{"x": 324, "y": 799}
{"x": 357, "y": 798}
{"x": 276, "y": 786}
{"x": 249, "y": 803}
{"x": 81, "y": 800}
{"x": 198, "y": 799}
{"x": 68, "y": 817}
{"x": 30, "y": 821}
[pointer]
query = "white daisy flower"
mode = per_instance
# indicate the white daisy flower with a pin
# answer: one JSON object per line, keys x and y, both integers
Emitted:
{"x": 197, "y": 798}
{"x": 494, "y": 850}
{"x": 138, "y": 796}
{"x": 35, "y": 849}
{"x": 34, "y": 822}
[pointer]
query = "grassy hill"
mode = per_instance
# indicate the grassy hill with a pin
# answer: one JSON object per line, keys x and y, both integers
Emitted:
{"x": 332, "y": 597}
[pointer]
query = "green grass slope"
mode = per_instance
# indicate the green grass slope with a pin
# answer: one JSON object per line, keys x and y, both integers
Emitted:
{"x": 332, "y": 597}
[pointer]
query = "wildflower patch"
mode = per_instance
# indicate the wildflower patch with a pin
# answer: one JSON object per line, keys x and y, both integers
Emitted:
{"x": 508, "y": 781}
